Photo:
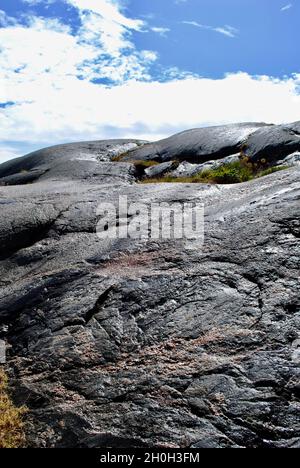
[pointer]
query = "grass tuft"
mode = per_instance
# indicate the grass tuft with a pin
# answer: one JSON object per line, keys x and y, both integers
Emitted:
{"x": 231, "y": 173}
{"x": 11, "y": 418}
{"x": 271, "y": 170}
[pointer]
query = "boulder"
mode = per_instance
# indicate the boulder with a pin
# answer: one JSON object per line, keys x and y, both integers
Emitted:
{"x": 291, "y": 160}
{"x": 198, "y": 145}
{"x": 273, "y": 143}
{"x": 160, "y": 169}
{"x": 186, "y": 169}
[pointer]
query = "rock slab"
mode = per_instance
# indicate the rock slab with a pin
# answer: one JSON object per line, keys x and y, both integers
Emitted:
{"x": 130, "y": 343}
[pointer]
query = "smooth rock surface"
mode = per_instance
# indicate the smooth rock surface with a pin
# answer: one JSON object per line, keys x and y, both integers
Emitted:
{"x": 273, "y": 143}
{"x": 68, "y": 161}
{"x": 198, "y": 145}
{"x": 144, "y": 343}
{"x": 160, "y": 169}
{"x": 258, "y": 142}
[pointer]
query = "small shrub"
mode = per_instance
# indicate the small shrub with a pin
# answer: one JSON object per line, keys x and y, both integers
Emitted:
{"x": 231, "y": 173}
{"x": 11, "y": 418}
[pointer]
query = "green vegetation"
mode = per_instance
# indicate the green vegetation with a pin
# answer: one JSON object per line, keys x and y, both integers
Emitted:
{"x": 231, "y": 173}
{"x": 271, "y": 170}
{"x": 144, "y": 164}
{"x": 11, "y": 418}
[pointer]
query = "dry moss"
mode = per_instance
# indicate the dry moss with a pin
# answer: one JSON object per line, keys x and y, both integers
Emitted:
{"x": 11, "y": 418}
{"x": 145, "y": 164}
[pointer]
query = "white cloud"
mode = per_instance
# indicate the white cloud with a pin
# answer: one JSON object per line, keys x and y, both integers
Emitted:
{"x": 6, "y": 20}
{"x": 101, "y": 49}
{"x": 161, "y": 31}
{"x": 287, "y": 7}
{"x": 76, "y": 110}
{"x": 226, "y": 30}
{"x": 109, "y": 10}
{"x": 51, "y": 76}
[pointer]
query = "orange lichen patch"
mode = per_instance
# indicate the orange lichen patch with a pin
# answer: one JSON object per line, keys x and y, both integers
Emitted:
{"x": 137, "y": 264}
{"x": 180, "y": 356}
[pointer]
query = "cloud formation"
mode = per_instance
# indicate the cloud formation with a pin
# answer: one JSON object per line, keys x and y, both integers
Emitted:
{"x": 287, "y": 7}
{"x": 63, "y": 85}
{"x": 161, "y": 31}
{"x": 226, "y": 30}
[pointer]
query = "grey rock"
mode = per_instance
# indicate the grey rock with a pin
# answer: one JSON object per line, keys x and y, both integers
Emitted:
{"x": 23, "y": 177}
{"x": 273, "y": 143}
{"x": 257, "y": 141}
{"x": 2, "y": 352}
{"x": 68, "y": 161}
{"x": 89, "y": 170}
{"x": 291, "y": 160}
{"x": 198, "y": 145}
{"x": 160, "y": 169}
{"x": 144, "y": 343}
{"x": 230, "y": 159}
{"x": 186, "y": 169}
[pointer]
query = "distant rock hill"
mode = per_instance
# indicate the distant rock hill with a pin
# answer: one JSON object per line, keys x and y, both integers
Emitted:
{"x": 144, "y": 343}
{"x": 256, "y": 140}
{"x": 193, "y": 149}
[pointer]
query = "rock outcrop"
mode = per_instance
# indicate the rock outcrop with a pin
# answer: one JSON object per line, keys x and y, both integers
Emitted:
{"x": 69, "y": 162}
{"x": 273, "y": 143}
{"x": 186, "y": 169}
{"x": 160, "y": 169}
{"x": 198, "y": 145}
{"x": 256, "y": 141}
{"x": 144, "y": 343}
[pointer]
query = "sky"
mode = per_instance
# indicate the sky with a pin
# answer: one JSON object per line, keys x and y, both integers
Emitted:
{"x": 74, "y": 70}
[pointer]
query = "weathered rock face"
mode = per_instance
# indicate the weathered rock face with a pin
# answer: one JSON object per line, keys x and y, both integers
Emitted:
{"x": 273, "y": 143}
{"x": 117, "y": 343}
{"x": 69, "y": 161}
{"x": 160, "y": 169}
{"x": 256, "y": 141}
{"x": 291, "y": 160}
{"x": 198, "y": 145}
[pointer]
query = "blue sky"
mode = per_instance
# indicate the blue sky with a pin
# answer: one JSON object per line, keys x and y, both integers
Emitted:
{"x": 265, "y": 41}
{"x": 92, "y": 69}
